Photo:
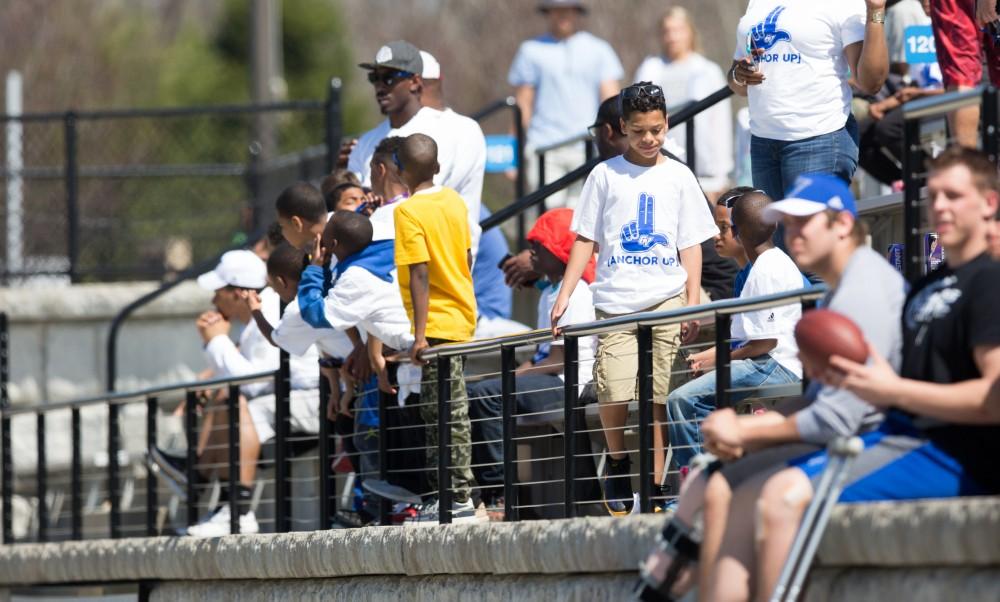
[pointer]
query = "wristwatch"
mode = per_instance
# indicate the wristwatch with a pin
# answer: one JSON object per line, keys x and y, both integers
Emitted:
{"x": 877, "y": 16}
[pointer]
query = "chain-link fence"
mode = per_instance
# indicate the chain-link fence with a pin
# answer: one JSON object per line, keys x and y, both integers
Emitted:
{"x": 140, "y": 194}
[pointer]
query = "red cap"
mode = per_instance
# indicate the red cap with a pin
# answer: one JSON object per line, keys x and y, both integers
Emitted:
{"x": 552, "y": 232}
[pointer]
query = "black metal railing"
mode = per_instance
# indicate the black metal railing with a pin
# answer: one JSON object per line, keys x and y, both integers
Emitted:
{"x": 520, "y": 177}
{"x": 566, "y": 487}
{"x": 104, "y": 192}
{"x": 327, "y": 509}
{"x": 926, "y": 133}
{"x": 719, "y": 313}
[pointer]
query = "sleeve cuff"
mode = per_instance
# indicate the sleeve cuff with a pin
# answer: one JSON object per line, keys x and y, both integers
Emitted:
{"x": 217, "y": 348}
{"x": 809, "y": 427}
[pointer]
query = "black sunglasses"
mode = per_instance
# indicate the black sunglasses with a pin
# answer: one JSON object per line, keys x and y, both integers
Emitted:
{"x": 637, "y": 90}
{"x": 729, "y": 201}
{"x": 388, "y": 78}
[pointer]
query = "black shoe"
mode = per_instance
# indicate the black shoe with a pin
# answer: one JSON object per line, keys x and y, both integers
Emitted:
{"x": 171, "y": 468}
{"x": 617, "y": 486}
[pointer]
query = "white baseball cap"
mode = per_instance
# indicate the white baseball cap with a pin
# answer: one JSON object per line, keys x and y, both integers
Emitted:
{"x": 432, "y": 68}
{"x": 242, "y": 269}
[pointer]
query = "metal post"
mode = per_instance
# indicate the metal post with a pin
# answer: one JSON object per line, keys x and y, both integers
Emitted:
{"x": 326, "y": 491}
{"x": 520, "y": 181}
{"x": 233, "y": 418}
{"x": 42, "y": 489}
{"x": 807, "y": 305}
{"x": 76, "y": 476}
{"x": 282, "y": 489}
{"x": 541, "y": 179}
{"x": 152, "y": 501}
{"x": 508, "y": 400}
{"x": 990, "y": 124}
{"x": 444, "y": 440}
{"x": 689, "y": 146}
{"x": 72, "y": 204}
{"x": 190, "y": 422}
{"x": 384, "y": 505}
{"x": 333, "y": 126}
{"x": 913, "y": 160}
{"x": 723, "y": 381}
{"x": 114, "y": 444}
{"x": 571, "y": 368}
{"x": 6, "y": 460}
{"x": 644, "y": 336}
{"x": 8, "y": 479}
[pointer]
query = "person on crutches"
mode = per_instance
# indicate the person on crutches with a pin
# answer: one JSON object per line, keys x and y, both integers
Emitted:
{"x": 825, "y": 237}
{"x": 941, "y": 434}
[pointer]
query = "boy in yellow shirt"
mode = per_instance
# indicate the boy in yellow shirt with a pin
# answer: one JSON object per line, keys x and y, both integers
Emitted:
{"x": 434, "y": 262}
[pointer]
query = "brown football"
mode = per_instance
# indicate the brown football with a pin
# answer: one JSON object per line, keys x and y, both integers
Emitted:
{"x": 822, "y": 333}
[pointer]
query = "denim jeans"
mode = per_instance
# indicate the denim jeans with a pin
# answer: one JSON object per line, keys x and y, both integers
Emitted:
{"x": 534, "y": 393}
{"x": 776, "y": 163}
{"x": 688, "y": 405}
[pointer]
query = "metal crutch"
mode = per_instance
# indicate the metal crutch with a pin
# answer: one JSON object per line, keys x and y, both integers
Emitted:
{"x": 841, "y": 452}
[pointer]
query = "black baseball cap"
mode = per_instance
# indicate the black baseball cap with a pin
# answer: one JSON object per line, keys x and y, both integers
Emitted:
{"x": 399, "y": 55}
{"x": 547, "y": 5}
{"x": 609, "y": 112}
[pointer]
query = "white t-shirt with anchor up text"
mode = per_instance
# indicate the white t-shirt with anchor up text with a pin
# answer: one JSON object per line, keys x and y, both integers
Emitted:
{"x": 640, "y": 217}
{"x": 805, "y": 92}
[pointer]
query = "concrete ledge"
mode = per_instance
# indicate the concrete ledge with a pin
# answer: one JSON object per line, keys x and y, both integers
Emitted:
{"x": 958, "y": 532}
{"x": 584, "y": 545}
{"x": 911, "y": 584}
{"x": 581, "y": 588}
{"x": 918, "y": 540}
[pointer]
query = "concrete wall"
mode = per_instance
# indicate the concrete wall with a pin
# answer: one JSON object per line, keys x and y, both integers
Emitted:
{"x": 931, "y": 550}
{"x": 59, "y": 333}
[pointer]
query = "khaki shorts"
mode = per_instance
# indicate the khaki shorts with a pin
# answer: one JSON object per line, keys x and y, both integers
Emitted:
{"x": 616, "y": 363}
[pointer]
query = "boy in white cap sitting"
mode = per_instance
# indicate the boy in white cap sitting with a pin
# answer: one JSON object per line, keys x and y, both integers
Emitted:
{"x": 237, "y": 273}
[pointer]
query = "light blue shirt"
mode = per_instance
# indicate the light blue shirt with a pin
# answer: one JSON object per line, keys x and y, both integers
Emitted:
{"x": 566, "y": 75}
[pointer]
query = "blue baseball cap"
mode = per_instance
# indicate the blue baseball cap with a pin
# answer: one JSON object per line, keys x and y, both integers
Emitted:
{"x": 811, "y": 194}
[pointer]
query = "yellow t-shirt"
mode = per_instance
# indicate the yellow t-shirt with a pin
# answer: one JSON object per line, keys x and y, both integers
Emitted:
{"x": 432, "y": 227}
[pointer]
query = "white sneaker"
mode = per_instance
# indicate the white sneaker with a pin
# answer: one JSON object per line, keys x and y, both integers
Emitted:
{"x": 461, "y": 513}
{"x": 216, "y": 524}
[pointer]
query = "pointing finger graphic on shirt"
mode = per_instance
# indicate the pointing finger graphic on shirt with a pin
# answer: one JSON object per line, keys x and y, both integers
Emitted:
{"x": 638, "y": 236}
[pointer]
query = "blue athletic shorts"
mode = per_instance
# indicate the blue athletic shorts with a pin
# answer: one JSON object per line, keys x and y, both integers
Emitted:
{"x": 898, "y": 463}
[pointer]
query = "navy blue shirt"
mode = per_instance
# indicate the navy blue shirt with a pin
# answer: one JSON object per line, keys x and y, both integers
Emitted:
{"x": 493, "y": 296}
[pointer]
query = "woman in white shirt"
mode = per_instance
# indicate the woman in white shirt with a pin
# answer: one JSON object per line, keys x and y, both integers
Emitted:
{"x": 793, "y": 59}
{"x": 688, "y": 76}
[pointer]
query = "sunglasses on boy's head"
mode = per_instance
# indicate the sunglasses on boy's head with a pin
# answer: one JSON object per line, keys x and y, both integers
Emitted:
{"x": 388, "y": 78}
{"x": 395, "y": 159}
{"x": 729, "y": 201}
{"x": 635, "y": 91}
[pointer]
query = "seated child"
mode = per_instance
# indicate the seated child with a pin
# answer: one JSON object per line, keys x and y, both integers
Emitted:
{"x": 765, "y": 354}
{"x": 539, "y": 383}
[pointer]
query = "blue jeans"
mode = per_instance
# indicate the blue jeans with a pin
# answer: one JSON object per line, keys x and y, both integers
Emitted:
{"x": 776, "y": 163}
{"x": 688, "y": 405}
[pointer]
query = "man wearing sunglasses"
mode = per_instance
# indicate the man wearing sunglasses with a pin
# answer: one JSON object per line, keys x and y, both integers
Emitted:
{"x": 397, "y": 75}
